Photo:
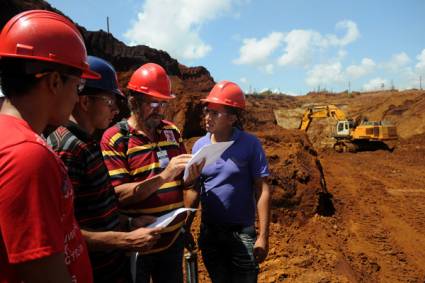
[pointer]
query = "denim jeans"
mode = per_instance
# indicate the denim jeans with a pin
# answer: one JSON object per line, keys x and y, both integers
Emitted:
{"x": 163, "y": 267}
{"x": 228, "y": 253}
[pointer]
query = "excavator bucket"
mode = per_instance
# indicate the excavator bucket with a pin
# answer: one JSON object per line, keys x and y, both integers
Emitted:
{"x": 289, "y": 118}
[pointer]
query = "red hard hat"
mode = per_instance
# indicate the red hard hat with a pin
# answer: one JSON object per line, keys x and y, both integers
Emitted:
{"x": 226, "y": 93}
{"x": 46, "y": 36}
{"x": 151, "y": 79}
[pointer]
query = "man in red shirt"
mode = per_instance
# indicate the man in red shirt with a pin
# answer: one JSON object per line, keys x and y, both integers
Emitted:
{"x": 42, "y": 63}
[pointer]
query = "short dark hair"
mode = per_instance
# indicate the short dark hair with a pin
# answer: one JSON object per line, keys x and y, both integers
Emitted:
{"x": 239, "y": 113}
{"x": 17, "y": 76}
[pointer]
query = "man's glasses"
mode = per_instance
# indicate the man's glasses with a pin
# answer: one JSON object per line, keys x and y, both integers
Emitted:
{"x": 109, "y": 101}
{"x": 80, "y": 85}
{"x": 155, "y": 104}
{"x": 81, "y": 82}
{"x": 212, "y": 113}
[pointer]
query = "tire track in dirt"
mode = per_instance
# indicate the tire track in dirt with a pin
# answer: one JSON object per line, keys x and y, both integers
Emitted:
{"x": 385, "y": 232}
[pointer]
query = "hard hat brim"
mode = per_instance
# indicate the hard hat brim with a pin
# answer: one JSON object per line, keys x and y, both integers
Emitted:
{"x": 206, "y": 100}
{"x": 118, "y": 93}
{"x": 152, "y": 93}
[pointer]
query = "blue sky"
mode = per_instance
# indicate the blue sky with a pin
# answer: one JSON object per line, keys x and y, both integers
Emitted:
{"x": 287, "y": 46}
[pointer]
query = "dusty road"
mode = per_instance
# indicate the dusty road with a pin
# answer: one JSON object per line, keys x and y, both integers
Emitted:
{"x": 380, "y": 203}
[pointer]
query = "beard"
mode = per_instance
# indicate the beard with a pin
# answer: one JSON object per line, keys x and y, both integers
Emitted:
{"x": 153, "y": 121}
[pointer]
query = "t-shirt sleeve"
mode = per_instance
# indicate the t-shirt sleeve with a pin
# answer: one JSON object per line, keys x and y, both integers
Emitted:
{"x": 31, "y": 198}
{"x": 259, "y": 166}
{"x": 197, "y": 145}
{"x": 113, "y": 147}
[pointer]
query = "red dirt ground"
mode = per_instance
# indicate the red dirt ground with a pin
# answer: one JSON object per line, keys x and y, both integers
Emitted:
{"x": 376, "y": 233}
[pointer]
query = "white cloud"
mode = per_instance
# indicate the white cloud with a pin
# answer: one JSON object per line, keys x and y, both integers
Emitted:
{"x": 376, "y": 84}
{"x": 274, "y": 91}
{"x": 301, "y": 44}
{"x": 341, "y": 54}
{"x": 420, "y": 66}
{"x": 333, "y": 75}
{"x": 356, "y": 71}
{"x": 351, "y": 35}
{"x": 408, "y": 79}
{"x": 244, "y": 80}
{"x": 325, "y": 75}
{"x": 268, "y": 69}
{"x": 397, "y": 61}
{"x": 174, "y": 25}
{"x": 256, "y": 51}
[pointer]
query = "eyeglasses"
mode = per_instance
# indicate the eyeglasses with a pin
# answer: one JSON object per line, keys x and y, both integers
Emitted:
{"x": 213, "y": 113}
{"x": 109, "y": 101}
{"x": 80, "y": 85}
{"x": 155, "y": 104}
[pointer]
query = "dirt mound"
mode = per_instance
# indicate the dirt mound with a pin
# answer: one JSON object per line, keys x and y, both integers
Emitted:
{"x": 299, "y": 187}
{"x": 299, "y": 194}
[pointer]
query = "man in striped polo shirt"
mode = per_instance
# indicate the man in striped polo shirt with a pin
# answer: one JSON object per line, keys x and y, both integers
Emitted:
{"x": 96, "y": 205}
{"x": 146, "y": 147}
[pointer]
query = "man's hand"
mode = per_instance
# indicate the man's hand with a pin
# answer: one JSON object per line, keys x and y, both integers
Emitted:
{"x": 142, "y": 239}
{"x": 175, "y": 167}
{"x": 194, "y": 172}
{"x": 261, "y": 249}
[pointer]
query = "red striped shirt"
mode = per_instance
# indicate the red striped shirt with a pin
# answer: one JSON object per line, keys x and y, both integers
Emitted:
{"x": 130, "y": 156}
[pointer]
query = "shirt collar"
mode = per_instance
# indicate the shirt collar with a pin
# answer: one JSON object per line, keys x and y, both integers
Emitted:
{"x": 235, "y": 134}
{"x": 78, "y": 132}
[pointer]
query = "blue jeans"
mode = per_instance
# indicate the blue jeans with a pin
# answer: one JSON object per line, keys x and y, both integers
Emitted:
{"x": 228, "y": 253}
{"x": 163, "y": 267}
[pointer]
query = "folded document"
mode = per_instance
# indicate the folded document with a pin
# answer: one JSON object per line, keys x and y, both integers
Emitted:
{"x": 166, "y": 219}
{"x": 210, "y": 153}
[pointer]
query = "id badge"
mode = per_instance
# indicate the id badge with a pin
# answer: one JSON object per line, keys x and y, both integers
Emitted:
{"x": 163, "y": 158}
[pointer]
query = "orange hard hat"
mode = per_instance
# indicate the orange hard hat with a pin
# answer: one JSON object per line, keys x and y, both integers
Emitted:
{"x": 151, "y": 79}
{"x": 226, "y": 93}
{"x": 45, "y": 36}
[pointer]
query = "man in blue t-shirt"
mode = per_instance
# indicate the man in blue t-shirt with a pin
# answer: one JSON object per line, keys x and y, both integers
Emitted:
{"x": 232, "y": 189}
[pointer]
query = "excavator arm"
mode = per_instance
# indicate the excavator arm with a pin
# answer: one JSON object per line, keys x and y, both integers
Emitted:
{"x": 321, "y": 112}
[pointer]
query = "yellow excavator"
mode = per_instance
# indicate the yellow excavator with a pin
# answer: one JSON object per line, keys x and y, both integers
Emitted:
{"x": 350, "y": 136}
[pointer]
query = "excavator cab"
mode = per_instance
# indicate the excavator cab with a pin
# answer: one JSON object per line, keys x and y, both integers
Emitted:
{"x": 342, "y": 129}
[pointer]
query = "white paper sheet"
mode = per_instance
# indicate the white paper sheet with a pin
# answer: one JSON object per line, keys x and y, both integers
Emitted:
{"x": 210, "y": 152}
{"x": 166, "y": 219}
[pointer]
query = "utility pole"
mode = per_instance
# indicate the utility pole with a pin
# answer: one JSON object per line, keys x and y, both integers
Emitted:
{"x": 420, "y": 82}
{"x": 107, "y": 24}
{"x": 349, "y": 87}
